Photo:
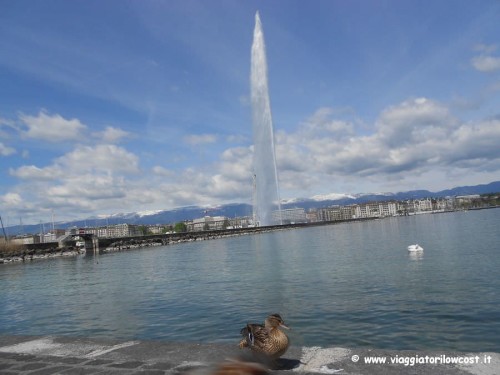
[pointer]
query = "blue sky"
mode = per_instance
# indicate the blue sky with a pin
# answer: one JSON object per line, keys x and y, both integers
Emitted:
{"x": 120, "y": 106}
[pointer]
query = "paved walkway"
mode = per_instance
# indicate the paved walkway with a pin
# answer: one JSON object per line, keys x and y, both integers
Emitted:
{"x": 61, "y": 355}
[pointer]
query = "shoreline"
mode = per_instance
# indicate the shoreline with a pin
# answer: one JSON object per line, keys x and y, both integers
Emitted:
{"x": 141, "y": 242}
{"x": 133, "y": 243}
{"x": 34, "y": 256}
{"x": 49, "y": 354}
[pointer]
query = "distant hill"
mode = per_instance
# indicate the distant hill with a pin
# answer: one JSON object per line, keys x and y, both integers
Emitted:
{"x": 243, "y": 209}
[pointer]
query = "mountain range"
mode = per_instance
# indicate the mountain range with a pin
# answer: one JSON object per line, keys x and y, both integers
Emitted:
{"x": 244, "y": 209}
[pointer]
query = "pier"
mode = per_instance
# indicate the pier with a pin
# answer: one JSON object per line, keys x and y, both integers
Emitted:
{"x": 66, "y": 246}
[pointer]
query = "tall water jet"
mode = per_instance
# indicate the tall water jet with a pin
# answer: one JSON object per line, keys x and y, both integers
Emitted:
{"x": 266, "y": 202}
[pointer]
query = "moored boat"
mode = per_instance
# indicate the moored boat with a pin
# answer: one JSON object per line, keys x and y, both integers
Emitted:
{"x": 415, "y": 247}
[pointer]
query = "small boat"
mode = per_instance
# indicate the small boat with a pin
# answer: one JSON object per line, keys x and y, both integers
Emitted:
{"x": 415, "y": 247}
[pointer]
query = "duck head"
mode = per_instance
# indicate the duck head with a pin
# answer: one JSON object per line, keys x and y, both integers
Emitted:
{"x": 275, "y": 321}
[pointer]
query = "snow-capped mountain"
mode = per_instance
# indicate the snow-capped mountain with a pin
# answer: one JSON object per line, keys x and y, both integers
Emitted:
{"x": 243, "y": 209}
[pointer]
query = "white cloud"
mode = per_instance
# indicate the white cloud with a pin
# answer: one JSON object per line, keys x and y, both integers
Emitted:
{"x": 322, "y": 121}
{"x": 474, "y": 142}
{"x": 89, "y": 187}
{"x": 161, "y": 171}
{"x": 486, "y": 63}
{"x": 53, "y": 128}
{"x": 102, "y": 158}
{"x": 11, "y": 199}
{"x": 112, "y": 135}
{"x": 7, "y": 123}
{"x": 87, "y": 179}
{"x": 412, "y": 121}
{"x": 198, "y": 139}
{"x": 412, "y": 141}
{"x": 6, "y": 150}
{"x": 228, "y": 180}
{"x": 236, "y": 139}
{"x": 236, "y": 164}
{"x": 28, "y": 172}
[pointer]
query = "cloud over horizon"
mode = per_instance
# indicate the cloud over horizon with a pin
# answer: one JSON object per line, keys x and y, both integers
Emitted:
{"x": 51, "y": 128}
{"x": 412, "y": 138}
{"x": 144, "y": 112}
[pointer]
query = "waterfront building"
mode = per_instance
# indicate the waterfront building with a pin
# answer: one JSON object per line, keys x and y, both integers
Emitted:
{"x": 26, "y": 239}
{"x": 347, "y": 212}
{"x": 422, "y": 205}
{"x": 292, "y": 215}
{"x": 123, "y": 230}
{"x": 312, "y": 216}
{"x": 362, "y": 211}
{"x": 157, "y": 229}
{"x": 336, "y": 213}
{"x": 208, "y": 223}
{"x": 110, "y": 231}
{"x": 367, "y": 210}
{"x": 51, "y": 236}
{"x": 47, "y": 237}
{"x": 388, "y": 208}
{"x": 328, "y": 213}
{"x": 375, "y": 209}
{"x": 102, "y": 232}
{"x": 402, "y": 208}
{"x": 447, "y": 203}
{"x": 240, "y": 222}
{"x": 466, "y": 201}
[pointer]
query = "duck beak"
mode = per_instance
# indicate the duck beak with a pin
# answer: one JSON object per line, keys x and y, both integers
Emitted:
{"x": 284, "y": 326}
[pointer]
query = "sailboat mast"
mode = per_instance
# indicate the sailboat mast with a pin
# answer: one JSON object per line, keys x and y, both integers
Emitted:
{"x": 3, "y": 229}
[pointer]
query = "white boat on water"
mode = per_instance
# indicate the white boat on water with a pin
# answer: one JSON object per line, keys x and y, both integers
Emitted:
{"x": 415, "y": 247}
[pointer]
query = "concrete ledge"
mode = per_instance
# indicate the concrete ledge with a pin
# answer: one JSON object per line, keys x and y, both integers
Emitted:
{"x": 62, "y": 355}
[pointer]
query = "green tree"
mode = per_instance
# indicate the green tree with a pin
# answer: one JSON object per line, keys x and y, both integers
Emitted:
{"x": 180, "y": 227}
{"x": 144, "y": 230}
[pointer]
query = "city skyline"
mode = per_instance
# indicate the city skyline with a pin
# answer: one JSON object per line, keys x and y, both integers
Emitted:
{"x": 134, "y": 106}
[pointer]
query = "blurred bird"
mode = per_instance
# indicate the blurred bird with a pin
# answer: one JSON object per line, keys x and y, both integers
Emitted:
{"x": 243, "y": 365}
{"x": 240, "y": 368}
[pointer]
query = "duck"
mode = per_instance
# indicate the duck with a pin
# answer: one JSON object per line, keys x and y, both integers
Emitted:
{"x": 266, "y": 338}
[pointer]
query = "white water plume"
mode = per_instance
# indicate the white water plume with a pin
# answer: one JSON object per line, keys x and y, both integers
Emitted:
{"x": 266, "y": 205}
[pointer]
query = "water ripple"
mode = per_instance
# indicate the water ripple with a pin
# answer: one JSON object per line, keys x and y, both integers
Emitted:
{"x": 347, "y": 285}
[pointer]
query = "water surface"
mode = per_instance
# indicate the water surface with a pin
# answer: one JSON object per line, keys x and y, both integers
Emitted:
{"x": 348, "y": 285}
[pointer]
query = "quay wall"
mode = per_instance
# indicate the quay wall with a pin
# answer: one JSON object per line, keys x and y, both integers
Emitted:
{"x": 50, "y": 249}
{"x": 209, "y": 234}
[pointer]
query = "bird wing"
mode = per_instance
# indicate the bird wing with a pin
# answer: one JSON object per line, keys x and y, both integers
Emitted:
{"x": 256, "y": 335}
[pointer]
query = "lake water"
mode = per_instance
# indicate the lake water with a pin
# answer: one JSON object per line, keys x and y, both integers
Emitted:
{"x": 350, "y": 285}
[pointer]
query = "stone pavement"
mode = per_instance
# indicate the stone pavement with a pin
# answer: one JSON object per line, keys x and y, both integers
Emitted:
{"x": 62, "y": 355}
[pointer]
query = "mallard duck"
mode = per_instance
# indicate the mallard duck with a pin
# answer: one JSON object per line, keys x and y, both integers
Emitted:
{"x": 267, "y": 339}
